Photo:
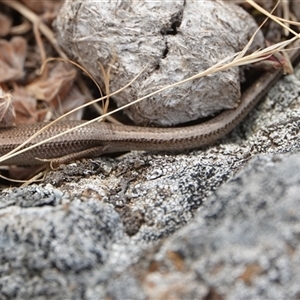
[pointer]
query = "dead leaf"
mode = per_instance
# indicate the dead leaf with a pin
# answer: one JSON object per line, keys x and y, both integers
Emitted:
{"x": 55, "y": 86}
{"x": 74, "y": 99}
{"x": 43, "y": 6}
{"x": 7, "y": 113}
{"x": 12, "y": 57}
{"x": 5, "y": 25}
{"x": 25, "y": 106}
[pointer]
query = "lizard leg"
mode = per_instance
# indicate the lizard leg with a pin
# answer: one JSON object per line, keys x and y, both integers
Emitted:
{"x": 87, "y": 153}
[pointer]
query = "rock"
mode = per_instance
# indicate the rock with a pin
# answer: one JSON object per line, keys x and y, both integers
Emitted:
{"x": 50, "y": 251}
{"x": 243, "y": 244}
{"x": 173, "y": 40}
{"x": 135, "y": 227}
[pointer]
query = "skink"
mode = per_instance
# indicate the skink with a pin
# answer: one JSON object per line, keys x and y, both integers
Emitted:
{"x": 100, "y": 138}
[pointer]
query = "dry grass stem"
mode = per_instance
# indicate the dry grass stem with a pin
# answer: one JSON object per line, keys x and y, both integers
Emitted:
{"x": 235, "y": 60}
{"x": 106, "y": 79}
{"x": 17, "y": 150}
{"x": 34, "y": 179}
{"x": 272, "y": 17}
{"x": 38, "y": 25}
{"x": 34, "y": 19}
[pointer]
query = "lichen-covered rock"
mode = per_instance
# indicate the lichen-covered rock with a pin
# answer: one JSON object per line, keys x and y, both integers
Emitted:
{"x": 172, "y": 40}
{"x": 110, "y": 229}
{"x": 243, "y": 243}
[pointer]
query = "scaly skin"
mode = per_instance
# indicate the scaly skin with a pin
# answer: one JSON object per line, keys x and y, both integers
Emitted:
{"x": 98, "y": 138}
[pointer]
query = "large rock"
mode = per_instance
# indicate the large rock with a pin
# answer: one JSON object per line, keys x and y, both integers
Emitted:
{"x": 103, "y": 231}
{"x": 173, "y": 40}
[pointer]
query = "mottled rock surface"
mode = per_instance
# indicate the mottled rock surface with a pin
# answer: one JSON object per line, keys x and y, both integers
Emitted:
{"x": 217, "y": 223}
{"x": 135, "y": 227}
{"x": 243, "y": 244}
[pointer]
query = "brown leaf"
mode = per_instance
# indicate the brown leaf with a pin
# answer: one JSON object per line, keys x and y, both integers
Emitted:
{"x": 43, "y": 6}
{"x": 74, "y": 99}
{"x": 7, "y": 113}
{"x": 55, "y": 86}
{"x": 25, "y": 106}
{"x": 5, "y": 25}
{"x": 12, "y": 57}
